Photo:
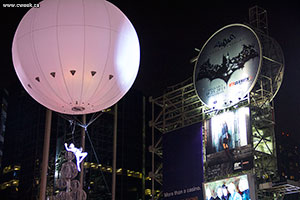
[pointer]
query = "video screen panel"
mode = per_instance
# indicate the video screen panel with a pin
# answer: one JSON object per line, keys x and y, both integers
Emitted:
{"x": 228, "y": 130}
{"x": 183, "y": 163}
{"x": 234, "y": 188}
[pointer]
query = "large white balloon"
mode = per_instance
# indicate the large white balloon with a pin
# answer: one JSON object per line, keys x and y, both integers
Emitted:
{"x": 76, "y": 56}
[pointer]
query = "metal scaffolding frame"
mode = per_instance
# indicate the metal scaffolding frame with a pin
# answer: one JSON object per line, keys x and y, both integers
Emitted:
{"x": 177, "y": 108}
{"x": 180, "y": 106}
{"x": 279, "y": 190}
{"x": 258, "y": 18}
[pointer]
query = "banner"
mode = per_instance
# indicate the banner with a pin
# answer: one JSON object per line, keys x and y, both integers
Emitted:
{"x": 183, "y": 163}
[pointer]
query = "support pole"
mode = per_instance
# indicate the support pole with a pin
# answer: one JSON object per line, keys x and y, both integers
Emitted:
{"x": 113, "y": 190}
{"x": 83, "y": 149}
{"x": 153, "y": 144}
{"x": 144, "y": 149}
{"x": 45, "y": 154}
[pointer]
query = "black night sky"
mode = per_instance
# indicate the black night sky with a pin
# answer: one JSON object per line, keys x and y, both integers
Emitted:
{"x": 170, "y": 30}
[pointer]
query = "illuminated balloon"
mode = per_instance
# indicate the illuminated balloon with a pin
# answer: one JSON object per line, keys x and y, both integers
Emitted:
{"x": 74, "y": 56}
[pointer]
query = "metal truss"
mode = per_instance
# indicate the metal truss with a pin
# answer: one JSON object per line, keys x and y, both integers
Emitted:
{"x": 272, "y": 191}
{"x": 258, "y": 18}
{"x": 180, "y": 106}
{"x": 177, "y": 108}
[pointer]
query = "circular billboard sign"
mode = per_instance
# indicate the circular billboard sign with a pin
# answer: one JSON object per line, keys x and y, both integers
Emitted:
{"x": 227, "y": 66}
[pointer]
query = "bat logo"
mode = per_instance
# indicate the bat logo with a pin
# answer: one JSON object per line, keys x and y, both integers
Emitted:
{"x": 228, "y": 66}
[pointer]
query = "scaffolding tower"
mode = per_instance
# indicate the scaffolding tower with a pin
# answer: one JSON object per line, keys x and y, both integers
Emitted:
{"x": 180, "y": 106}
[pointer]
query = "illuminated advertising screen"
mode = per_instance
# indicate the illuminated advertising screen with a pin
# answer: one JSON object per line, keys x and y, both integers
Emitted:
{"x": 183, "y": 163}
{"x": 227, "y": 66}
{"x": 227, "y": 143}
{"x": 234, "y": 188}
{"x": 228, "y": 130}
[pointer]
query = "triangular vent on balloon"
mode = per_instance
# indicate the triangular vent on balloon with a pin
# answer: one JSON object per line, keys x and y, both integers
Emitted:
{"x": 73, "y": 72}
{"x": 110, "y": 77}
{"x": 52, "y": 74}
{"x": 93, "y": 73}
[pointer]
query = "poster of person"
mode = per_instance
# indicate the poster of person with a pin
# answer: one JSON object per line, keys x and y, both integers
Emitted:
{"x": 235, "y": 188}
{"x": 227, "y": 130}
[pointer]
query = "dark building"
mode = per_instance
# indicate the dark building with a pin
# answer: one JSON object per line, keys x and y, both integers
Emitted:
{"x": 22, "y": 142}
{"x": 23, "y": 149}
{"x": 288, "y": 162}
{"x": 3, "y": 116}
{"x": 288, "y": 152}
{"x": 130, "y": 154}
{"x": 130, "y": 145}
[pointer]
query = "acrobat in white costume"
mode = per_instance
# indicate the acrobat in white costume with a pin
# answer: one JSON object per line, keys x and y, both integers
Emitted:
{"x": 78, "y": 154}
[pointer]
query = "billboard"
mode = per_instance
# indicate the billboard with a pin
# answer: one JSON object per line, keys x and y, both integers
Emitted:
{"x": 234, "y": 188}
{"x": 228, "y": 130}
{"x": 227, "y": 66}
{"x": 183, "y": 163}
{"x": 227, "y": 143}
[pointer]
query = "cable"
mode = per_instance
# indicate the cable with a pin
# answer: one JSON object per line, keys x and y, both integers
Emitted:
{"x": 75, "y": 121}
{"x": 73, "y": 130}
{"x": 97, "y": 160}
{"x": 90, "y": 122}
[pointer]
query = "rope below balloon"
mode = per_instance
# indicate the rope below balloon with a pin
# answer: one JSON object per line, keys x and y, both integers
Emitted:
{"x": 97, "y": 159}
{"x": 73, "y": 124}
{"x": 85, "y": 126}
{"x": 74, "y": 121}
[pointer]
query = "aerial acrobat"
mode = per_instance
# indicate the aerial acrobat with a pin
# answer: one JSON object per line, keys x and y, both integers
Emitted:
{"x": 78, "y": 154}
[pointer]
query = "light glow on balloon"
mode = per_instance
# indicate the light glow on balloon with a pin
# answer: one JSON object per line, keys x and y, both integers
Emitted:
{"x": 76, "y": 57}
